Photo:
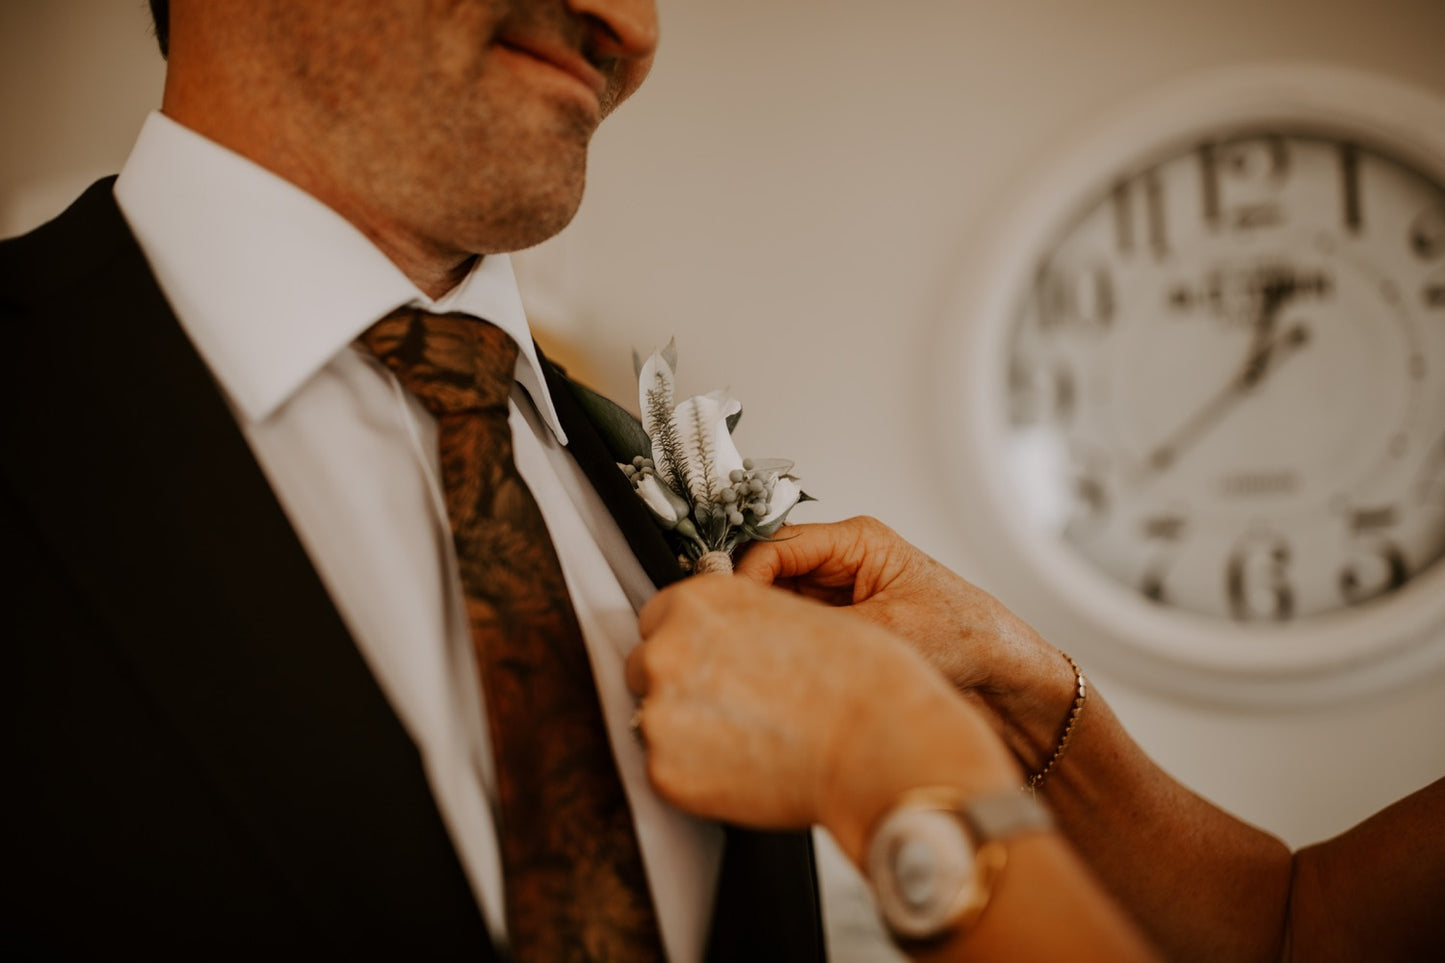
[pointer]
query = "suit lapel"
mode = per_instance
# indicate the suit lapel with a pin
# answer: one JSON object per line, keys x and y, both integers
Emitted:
{"x": 767, "y": 905}
{"x": 137, "y": 469}
{"x": 590, "y": 452}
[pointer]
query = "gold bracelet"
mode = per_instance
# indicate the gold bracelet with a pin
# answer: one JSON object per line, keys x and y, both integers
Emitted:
{"x": 1081, "y": 693}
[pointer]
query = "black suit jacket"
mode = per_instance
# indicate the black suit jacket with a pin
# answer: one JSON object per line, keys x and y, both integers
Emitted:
{"x": 198, "y": 762}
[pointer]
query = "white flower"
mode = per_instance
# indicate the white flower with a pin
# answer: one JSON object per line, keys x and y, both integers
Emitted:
{"x": 654, "y": 494}
{"x": 708, "y": 454}
{"x": 691, "y": 444}
{"x": 785, "y": 494}
{"x": 695, "y": 482}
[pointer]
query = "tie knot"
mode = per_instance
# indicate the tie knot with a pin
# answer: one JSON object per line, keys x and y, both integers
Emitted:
{"x": 451, "y": 362}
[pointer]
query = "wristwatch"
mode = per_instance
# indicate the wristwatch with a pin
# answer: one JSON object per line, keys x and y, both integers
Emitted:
{"x": 935, "y": 856}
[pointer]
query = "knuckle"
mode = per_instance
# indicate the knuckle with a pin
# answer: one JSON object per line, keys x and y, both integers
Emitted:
{"x": 872, "y": 525}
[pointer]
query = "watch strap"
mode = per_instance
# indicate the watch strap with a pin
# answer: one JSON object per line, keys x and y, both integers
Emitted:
{"x": 1005, "y": 814}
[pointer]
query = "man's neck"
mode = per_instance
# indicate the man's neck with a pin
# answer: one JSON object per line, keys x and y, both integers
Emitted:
{"x": 263, "y": 137}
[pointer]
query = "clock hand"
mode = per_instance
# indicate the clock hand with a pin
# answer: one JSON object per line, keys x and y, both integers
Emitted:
{"x": 1277, "y": 288}
{"x": 1273, "y": 287}
{"x": 1263, "y": 358}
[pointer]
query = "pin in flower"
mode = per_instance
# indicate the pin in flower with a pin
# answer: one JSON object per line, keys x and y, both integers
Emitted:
{"x": 687, "y": 470}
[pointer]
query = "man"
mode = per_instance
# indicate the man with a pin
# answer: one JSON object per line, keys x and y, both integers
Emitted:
{"x": 243, "y": 712}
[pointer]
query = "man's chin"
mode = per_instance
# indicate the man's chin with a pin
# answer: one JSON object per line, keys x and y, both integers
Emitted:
{"x": 524, "y": 226}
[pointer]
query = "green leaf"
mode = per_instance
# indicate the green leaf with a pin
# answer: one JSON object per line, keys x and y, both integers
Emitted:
{"x": 619, "y": 428}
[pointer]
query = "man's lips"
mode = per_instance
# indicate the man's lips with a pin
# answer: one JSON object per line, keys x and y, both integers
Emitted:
{"x": 562, "y": 58}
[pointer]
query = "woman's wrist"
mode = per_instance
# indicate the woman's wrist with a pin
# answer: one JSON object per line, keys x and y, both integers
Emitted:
{"x": 1038, "y": 707}
{"x": 929, "y": 738}
{"x": 1036, "y": 778}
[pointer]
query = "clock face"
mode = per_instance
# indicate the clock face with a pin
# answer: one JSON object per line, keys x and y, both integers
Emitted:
{"x": 1226, "y": 382}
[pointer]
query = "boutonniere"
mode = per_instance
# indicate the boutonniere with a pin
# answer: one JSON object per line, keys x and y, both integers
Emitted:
{"x": 683, "y": 464}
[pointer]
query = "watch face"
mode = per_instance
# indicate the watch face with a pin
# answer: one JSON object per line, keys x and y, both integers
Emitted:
{"x": 922, "y": 865}
{"x": 1226, "y": 384}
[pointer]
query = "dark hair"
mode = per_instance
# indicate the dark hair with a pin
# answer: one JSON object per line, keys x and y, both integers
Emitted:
{"x": 161, "y": 16}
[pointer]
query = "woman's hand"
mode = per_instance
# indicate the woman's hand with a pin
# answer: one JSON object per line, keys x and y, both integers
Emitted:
{"x": 979, "y": 645}
{"x": 768, "y": 710}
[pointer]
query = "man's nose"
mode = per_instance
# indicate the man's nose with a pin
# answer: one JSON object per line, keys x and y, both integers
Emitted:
{"x": 625, "y": 29}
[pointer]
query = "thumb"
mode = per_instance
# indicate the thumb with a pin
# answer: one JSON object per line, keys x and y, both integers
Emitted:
{"x": 761, "y": 562}
{"x": 652, "y": 614}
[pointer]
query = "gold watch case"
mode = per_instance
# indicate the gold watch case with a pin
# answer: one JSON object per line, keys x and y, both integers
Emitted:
{"x": 934, "y": 858}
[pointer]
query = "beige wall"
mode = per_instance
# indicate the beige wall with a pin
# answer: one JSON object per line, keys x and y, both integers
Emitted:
{"x": 795, "y": 195}
{"x": 76, "y": 79}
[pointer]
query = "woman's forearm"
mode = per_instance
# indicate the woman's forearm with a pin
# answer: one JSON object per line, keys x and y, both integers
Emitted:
{"x": 1202, "y": 884}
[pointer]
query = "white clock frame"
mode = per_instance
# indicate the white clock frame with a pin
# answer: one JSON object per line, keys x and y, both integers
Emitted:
{"x": 1365, "y": 649}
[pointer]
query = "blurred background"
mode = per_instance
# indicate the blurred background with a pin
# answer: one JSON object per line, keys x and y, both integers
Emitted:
{"x": 798, "y": 195}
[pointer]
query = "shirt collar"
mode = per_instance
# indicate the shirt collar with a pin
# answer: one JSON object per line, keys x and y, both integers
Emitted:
{"x": 269, "y": 283}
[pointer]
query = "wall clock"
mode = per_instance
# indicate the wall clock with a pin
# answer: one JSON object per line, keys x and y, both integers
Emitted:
{"x": 1201, "y": 387}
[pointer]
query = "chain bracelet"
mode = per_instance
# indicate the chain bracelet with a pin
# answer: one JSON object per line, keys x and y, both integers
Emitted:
{"x": 1081, "y": 693}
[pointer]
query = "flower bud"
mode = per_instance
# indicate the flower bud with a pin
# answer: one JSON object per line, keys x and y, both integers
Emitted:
{"x": 655, "y": 495}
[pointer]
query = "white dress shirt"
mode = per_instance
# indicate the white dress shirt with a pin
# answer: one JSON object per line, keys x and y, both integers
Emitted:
{"x": 273, "y": 288}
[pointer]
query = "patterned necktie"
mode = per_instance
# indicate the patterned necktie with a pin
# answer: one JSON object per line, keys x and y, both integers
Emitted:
{"x": 574, "y": 880}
